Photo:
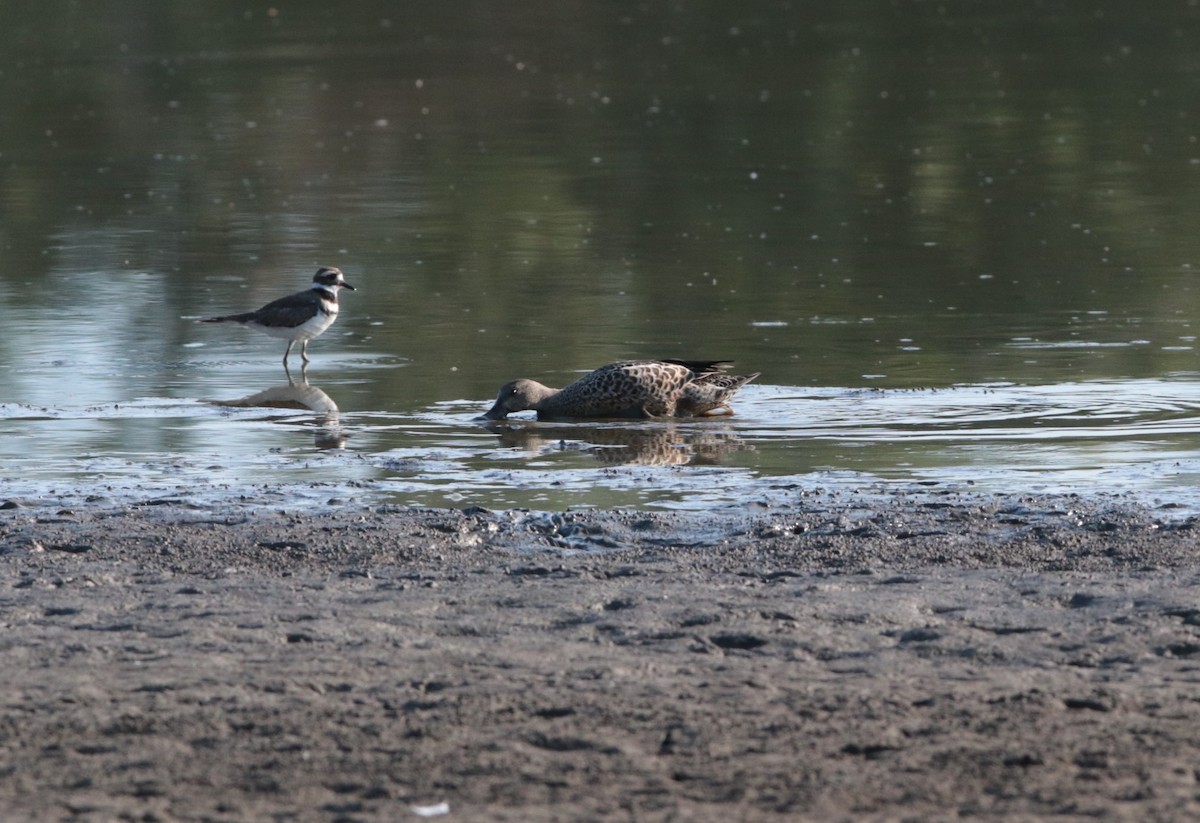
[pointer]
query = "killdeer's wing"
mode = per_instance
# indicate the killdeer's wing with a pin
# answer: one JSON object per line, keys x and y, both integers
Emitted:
{"x": 289, "y": 311}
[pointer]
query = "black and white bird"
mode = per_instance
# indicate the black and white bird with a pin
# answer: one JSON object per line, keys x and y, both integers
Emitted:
{"x": 298, "y": 317}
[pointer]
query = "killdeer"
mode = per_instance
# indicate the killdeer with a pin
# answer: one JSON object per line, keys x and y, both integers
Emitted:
{"x": 297, "y": 317}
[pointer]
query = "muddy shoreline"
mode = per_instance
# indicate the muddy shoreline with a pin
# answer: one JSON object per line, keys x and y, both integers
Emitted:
{"x": 916, "y": 656}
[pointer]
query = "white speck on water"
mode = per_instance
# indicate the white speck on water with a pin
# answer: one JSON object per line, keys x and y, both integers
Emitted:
{"x": 434, "y": 810}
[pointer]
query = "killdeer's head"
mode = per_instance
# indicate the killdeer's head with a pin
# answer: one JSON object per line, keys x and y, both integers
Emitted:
{"x": 330, "y": 279}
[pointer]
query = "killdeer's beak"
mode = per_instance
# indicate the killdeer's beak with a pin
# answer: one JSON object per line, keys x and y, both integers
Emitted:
{"x": 346, "y": 285}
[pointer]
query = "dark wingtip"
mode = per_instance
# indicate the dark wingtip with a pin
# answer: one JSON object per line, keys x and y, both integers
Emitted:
{"x": 702, "y": 366}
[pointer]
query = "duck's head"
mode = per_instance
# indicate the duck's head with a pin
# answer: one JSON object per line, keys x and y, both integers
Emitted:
{"x": 519, "y": 395}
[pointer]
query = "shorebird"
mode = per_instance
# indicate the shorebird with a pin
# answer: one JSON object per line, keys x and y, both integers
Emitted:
{"x": 297, "y": 317}
{"x": 632, "y": 388}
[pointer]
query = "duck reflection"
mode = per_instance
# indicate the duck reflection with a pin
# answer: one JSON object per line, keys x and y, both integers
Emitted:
{"x": 299, "y": 394}
{"x": 667, "y": 445}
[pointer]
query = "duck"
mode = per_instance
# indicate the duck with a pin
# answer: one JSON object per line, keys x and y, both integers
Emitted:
{"x": 631, "y": 389}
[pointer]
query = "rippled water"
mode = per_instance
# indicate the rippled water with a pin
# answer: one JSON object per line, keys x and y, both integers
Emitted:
{"x": 958, "y": 241}
{"x": 1133, "y": 436}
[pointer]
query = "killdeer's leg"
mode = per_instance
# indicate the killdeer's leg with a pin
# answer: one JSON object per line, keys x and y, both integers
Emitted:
{"x": 286, "y": 352}
{"x": 304, "y": 350}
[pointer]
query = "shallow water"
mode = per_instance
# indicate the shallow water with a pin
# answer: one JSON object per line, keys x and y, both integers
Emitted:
{"x": 957, "y": 241}
{"x": 1134, "y": 437}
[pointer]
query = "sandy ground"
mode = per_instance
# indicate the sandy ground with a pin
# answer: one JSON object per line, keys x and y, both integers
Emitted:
{"x": 916, "y": 657}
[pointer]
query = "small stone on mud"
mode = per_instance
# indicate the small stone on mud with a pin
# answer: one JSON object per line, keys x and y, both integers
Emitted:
{"x": 72, "y": 548}
{"x": 738, "y": 641}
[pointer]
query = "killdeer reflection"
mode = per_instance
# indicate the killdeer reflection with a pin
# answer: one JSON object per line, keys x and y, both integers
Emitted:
{"x": 297, "y": 317}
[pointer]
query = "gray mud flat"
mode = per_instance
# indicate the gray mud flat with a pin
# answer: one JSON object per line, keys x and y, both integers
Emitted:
{"x": 916, "y": 657}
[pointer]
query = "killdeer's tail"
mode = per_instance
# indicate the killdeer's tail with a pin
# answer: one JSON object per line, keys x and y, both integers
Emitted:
{"x": 227, "y": 318}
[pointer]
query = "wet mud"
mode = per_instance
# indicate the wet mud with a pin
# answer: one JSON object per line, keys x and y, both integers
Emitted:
{"x": 916, "y": 656}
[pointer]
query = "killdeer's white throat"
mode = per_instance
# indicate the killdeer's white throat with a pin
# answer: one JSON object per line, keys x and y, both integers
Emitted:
{"x": 297, "y": 317}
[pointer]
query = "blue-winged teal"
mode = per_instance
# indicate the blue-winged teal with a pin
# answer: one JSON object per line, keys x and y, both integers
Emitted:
{"x": 297, "y": 317}
{"x": 633, "y": 388}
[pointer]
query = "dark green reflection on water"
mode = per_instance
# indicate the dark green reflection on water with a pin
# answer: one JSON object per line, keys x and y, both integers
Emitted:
{"x": 898, "y": 193}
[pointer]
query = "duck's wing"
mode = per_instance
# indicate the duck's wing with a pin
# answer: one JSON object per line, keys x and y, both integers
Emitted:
{"x": 635, "y": 388}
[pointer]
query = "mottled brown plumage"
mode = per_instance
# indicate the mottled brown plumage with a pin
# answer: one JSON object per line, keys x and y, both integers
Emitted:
{"x": 631, "y": 389}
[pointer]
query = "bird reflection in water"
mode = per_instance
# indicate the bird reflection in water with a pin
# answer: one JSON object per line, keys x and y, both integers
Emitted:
{"x": 299, "y": 394}
{"x": 665, "y": 445}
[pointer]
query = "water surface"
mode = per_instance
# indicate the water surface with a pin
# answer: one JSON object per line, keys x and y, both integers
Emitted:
{"x": 958, "y": 240}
